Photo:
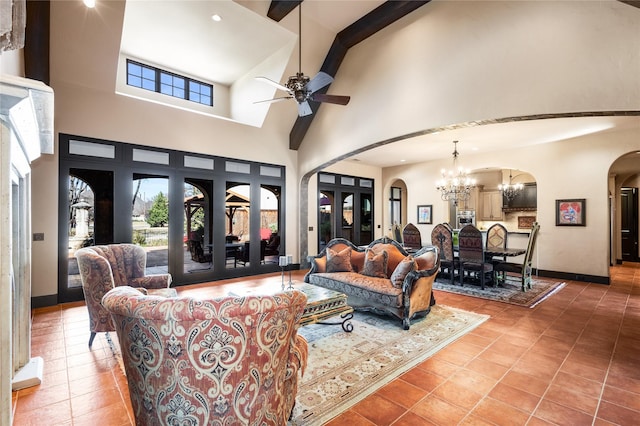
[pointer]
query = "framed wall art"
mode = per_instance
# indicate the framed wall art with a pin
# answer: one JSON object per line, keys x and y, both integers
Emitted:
{"x": 572, "y": 212}
{"x": 424, "y": 214}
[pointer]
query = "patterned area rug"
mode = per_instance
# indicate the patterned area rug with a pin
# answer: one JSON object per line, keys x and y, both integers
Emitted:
{"x": 508, "y": 292}
{"x": 344, "y": 368}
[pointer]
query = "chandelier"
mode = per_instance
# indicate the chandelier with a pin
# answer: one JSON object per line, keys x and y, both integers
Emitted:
{"x": 455, "y": 184}
{"x": 509, "y": 190}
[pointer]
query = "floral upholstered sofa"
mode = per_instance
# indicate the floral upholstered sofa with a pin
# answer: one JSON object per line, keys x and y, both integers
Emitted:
{"x": 231, "y": 361}
{"x": 382, "y": 277}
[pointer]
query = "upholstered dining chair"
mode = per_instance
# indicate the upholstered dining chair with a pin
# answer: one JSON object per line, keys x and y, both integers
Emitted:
{"x": 442, "y": 237}
{"x": 525, "y": 268}
{"x": 411, "y": 237}
{"x": 471, "y": 253}
{"x": 219, "y": 361}
{"x": 105, "y": 267}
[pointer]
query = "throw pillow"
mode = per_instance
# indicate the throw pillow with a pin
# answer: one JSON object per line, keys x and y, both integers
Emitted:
{"x": 375, "y": 264}
{"x": 339, "y": 261}
{"x": 407, "y": 265}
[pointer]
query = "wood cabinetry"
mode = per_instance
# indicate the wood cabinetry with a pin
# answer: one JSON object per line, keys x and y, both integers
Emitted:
{"x": 491, "y": 205}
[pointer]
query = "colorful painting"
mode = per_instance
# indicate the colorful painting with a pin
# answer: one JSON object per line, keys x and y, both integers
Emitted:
{"x": 424, "y": 214}
{"x": 571, "y": 212}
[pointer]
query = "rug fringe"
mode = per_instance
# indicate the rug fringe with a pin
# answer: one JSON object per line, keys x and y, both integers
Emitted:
{"x": 551, "y": 293}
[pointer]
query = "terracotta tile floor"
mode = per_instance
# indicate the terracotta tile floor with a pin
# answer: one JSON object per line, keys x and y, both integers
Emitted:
{"x": 572, "y": 360}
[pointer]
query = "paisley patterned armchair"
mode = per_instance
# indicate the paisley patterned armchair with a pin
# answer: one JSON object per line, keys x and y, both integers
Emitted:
{"x": 105, "y": 267}
{"x": 223, "y": 361}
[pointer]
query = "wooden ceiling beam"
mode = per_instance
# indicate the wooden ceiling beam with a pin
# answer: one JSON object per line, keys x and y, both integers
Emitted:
{"x": 379, "y": 18}
{"x": 278, "y": 9}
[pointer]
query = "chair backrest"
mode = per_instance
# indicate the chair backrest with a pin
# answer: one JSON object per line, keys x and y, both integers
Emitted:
{"x": 470, "y": 247}
{"x": 411, "y": 237}
{"x": 497, "y": 236}
{"x": 442, "y": 237}
{"x": 104, "y": 267}
{"x": 197, "y": 252}
{"x": 397, "y": 233}
{"x": 228, "y": 360}
{"x": 533, "y": 237}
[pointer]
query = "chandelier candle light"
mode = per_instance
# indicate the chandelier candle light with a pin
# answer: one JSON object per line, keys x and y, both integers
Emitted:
{"x": 455, "y": 184}
{"x": 510, "y": 190}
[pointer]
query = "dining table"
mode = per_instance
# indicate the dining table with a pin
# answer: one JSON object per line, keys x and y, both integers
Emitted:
{"x": 503, "y": 251}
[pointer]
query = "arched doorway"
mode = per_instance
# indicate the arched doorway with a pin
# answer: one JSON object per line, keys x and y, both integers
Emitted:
{"x": 624, "y": 184}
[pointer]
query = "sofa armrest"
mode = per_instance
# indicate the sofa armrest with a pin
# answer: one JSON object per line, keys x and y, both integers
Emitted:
{"x": 151, "y": 281}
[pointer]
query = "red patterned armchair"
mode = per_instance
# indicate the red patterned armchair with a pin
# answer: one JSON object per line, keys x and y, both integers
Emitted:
{"x": 105, "y": 267}
{"x": 225, "y": 361}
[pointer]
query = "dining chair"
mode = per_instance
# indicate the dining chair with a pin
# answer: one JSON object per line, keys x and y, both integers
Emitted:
{"x": 442, "y": 237}
{"x": 397, "y": 233}
{"x": 411, "y": 237}
{"x": 472, "y": 257}
{"x": 525, "y": 268}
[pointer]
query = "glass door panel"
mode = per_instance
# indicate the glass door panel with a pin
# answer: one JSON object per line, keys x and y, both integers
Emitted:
{"x": 238, "y": 212}
{"x": 270, "y": 237}
{"x": 366, "y": 223}
{"x": 150, "y": 220}
{"x": 89, "y": 217}
{"x": 347, "y": 216}
{"x": 198, "y": 230}
{"x": 325, "y": 219}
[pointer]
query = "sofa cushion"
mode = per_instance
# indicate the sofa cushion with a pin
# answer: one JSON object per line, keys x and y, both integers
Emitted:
{"x": 407, "y": 265}
{"x": 375, "y": 263}
{"x": 339, "y": 261}
{"x": 376, "y": 290}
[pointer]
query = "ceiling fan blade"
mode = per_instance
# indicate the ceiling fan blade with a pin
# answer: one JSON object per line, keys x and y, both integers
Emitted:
{"x": 274, "y": 100}
{"x": 332, "y": 99}
{"x": 304, "y": 109}
{"x": 321, "y": 80}
{"x": 273, "y": 83}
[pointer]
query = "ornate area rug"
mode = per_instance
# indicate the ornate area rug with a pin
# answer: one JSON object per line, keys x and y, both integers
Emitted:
{"x": 344, "y": 368}
{"x": 509, "y": 292}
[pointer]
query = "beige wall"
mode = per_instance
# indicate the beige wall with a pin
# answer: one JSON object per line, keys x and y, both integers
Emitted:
{"x": 448, "y": 62}
{"x": 468, "y": 61}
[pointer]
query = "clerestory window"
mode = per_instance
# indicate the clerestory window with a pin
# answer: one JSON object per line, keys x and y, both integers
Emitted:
{"x": 161, "y": 81}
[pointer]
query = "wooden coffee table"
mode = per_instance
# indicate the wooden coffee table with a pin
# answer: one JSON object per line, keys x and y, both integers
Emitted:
{"x": 322, "y": 304}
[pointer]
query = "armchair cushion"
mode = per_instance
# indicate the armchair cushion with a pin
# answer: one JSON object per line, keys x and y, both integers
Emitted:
{"x": 228, "y": 360}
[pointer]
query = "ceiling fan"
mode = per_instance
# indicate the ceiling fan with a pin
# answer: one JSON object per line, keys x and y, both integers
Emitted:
{"x": 303, "y": 89}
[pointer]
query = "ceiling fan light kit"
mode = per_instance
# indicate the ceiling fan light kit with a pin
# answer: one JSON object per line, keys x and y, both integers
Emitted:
{"x": 303, "y": 89}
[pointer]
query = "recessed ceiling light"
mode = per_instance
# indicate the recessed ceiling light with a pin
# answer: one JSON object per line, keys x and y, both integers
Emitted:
{"x": 89, "y": 3}
{"x": 216, "y": 17}
{"x": 402, "y": 161}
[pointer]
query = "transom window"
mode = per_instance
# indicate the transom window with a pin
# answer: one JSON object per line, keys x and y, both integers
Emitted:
{"x": 160, "y": 81}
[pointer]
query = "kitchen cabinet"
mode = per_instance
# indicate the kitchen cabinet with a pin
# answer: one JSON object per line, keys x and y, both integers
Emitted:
{"x": 491, "y": 205}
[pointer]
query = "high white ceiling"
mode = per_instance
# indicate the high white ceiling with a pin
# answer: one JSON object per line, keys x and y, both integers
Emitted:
{"x": 181, "y": 36}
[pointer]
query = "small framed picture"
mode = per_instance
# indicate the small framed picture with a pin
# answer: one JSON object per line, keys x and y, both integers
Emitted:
{"x": 571, "y": 212}
{"x": 424, "y": 214}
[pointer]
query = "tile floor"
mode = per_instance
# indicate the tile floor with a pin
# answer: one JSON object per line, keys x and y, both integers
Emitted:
{"x": 572, "y": 360}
